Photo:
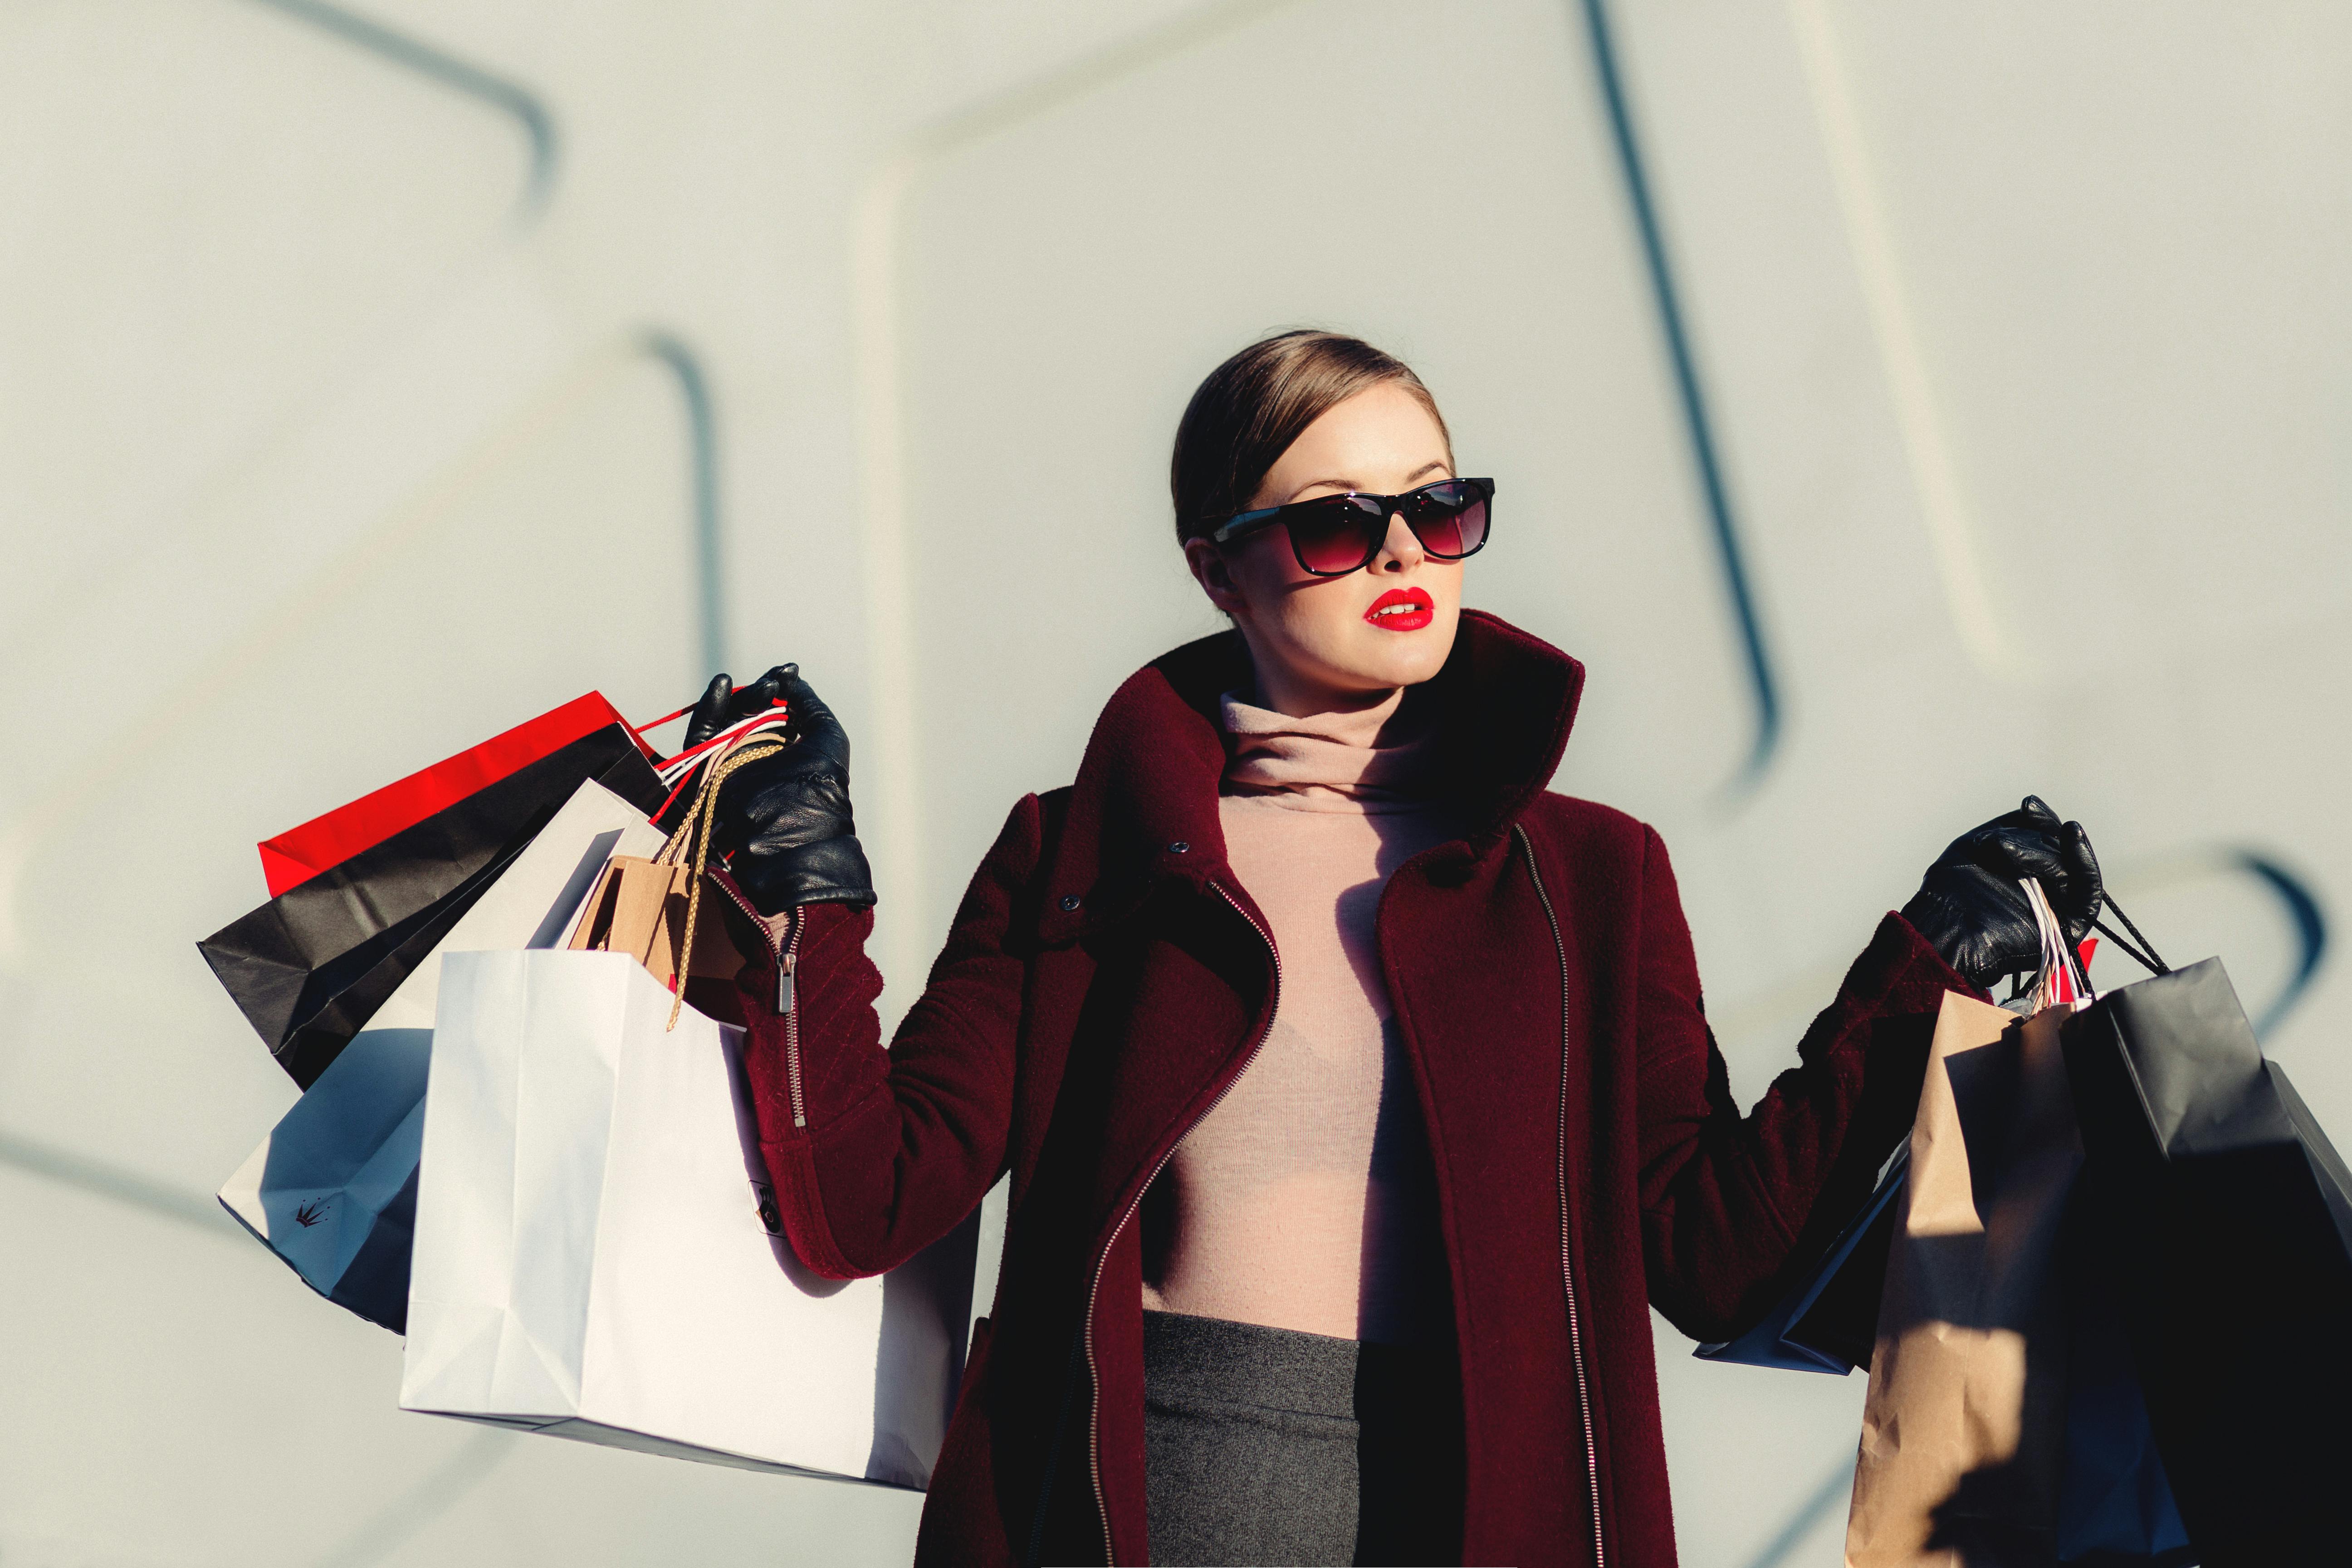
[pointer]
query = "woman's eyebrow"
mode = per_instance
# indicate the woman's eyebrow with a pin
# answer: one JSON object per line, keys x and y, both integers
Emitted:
{"x": 1436, "y": 463}
{"x": 1347, "y": 485}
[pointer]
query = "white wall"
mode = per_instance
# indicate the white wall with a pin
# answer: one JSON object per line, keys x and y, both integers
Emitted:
{"x": 347, "y": 377}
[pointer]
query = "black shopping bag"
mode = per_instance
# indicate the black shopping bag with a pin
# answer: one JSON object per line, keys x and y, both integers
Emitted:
{"x": 2115, "y": 1507}
{"x": 1828, "y": 1321}
{"x": 2222, "y": 1216}
{"x": 311, "y": 966}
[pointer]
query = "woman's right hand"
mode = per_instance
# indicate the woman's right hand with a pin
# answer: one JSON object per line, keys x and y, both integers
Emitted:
{"x": 785, "y": 819}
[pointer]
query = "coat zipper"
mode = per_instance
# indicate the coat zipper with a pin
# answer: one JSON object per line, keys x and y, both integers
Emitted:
{"x": 787, "y": 957}
{"x": 1568, "y": 1268}
{"x": 1102, "y": 1261}
{"x": 787, "y": 971}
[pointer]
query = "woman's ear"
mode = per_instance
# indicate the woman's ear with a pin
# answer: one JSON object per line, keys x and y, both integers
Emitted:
{"x": 1214, "y": 574}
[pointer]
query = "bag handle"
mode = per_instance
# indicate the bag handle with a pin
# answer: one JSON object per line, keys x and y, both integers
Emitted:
{"x": 703, "y": 813}
{"x": 651, "y": 724}
{"x": 2145, "y": 954}
{"x": 2062, "y": 979}
{"x": 679, "y": 766}
{"x": 2056, "y": 950}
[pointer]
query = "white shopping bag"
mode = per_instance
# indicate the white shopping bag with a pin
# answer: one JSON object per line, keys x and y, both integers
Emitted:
{"x": 332, "y": 1189}
{"x": 592, "y": 1260}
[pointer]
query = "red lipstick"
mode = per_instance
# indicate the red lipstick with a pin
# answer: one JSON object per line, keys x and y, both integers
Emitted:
{"x": 1402, "y": 610}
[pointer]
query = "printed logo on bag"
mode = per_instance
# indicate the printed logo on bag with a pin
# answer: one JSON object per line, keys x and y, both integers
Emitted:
{"x": 311, "y": 1213}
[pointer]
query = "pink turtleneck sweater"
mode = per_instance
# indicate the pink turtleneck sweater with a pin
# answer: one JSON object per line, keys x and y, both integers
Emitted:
{"x": 1305, "y": 1199}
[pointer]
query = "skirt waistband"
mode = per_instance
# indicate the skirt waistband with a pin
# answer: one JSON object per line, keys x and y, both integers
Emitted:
{"x": 1228, "y": 1363}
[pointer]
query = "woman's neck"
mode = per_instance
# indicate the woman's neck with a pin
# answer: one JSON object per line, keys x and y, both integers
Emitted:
{"x": 1294, "y": 698}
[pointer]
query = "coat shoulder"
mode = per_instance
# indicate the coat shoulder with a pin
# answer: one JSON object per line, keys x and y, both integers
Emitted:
{"x": 1612, "y": 858}
{"x": 1032, "y": 829}
{"x": 1045, "y": 819}
{"x": 1580, "y": 829}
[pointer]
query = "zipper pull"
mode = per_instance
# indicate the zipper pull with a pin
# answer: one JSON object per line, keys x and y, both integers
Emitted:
{"x": 784, "y": 965}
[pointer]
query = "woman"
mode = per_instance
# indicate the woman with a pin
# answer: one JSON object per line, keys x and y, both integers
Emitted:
{"x": 1357, "y": 1094}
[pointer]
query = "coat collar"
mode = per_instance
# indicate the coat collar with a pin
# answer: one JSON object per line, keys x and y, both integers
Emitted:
{"x": 1144, "y": 805}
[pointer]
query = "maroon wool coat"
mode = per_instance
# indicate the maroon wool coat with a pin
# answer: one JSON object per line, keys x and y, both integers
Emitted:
{"x": 1106, "y": 978}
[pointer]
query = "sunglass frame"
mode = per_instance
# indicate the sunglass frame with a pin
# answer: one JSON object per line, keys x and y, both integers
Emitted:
{"x": 1240, "y": 525}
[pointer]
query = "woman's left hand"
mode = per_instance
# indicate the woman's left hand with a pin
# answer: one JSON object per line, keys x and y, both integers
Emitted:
{"x": 1971, "y": 910}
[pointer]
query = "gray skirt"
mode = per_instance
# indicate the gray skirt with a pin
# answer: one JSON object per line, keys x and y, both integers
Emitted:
{"x": 1265, "y": 1446}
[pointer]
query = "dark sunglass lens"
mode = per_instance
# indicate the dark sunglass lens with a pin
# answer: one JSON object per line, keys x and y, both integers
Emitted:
{"x": 1470, "y": 525}
{"x": 1449, "y": 519}
{"x": 1332, "y": 536}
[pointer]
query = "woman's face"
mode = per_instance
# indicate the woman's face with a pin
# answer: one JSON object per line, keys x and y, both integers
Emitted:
{"x": 1330, "y": 644}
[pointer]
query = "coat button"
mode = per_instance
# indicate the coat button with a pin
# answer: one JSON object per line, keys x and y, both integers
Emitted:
{"x": 1069, "y": 900}
{"x": 1180, "y": 847}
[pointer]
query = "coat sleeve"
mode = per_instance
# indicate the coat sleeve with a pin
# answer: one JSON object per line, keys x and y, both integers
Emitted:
{"x": 878, "y": 1154}
{"x": 1730, "y": 1203}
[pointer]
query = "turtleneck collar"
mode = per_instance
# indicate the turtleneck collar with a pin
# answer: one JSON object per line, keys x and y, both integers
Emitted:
{"x": 1373, "y": 760}
{"x": 1144, "y": 802}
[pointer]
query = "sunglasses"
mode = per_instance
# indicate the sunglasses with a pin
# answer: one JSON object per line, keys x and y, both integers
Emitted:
{"x": 1334, "y": 535}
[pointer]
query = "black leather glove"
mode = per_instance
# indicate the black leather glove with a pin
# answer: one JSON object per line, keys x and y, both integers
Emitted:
{"x": 723, "y": 704}
{"x": 1971, "y": 910}
{"x": 785, "y": 819}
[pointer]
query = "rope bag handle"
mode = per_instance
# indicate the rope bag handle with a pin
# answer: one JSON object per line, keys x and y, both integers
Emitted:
{"x": 702, "y": 815}
{"x": 2145, "y": 954}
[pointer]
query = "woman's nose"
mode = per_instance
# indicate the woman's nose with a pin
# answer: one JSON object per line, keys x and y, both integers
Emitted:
{"x": 1400, "y": 550}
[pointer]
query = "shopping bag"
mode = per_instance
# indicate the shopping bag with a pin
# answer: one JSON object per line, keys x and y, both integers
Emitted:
{"x": 2227, "y": 1218}
{"x": 332, "y": 1189}
{"x": 651, "y": 907}
{"x": 2116, "y": 1508}
{"x": 645, "y": 907}
{"x": 311, "y": 966}
{"x": 591, "y": 1258}
{"x": 1828, "y": 1321}
{"x": 1963, "y": 1426}
{"x": 300, "y": 854}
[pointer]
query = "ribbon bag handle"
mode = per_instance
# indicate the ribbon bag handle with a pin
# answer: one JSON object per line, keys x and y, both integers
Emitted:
{"x": 2062, "y": 980}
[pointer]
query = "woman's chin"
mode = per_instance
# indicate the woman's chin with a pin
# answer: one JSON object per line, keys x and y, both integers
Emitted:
{"x": 1382, "y": 660}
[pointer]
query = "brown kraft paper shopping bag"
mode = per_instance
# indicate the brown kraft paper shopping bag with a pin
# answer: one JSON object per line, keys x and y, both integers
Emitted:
{"x": 1963, "y": 1427}
{"x": 651, "y": 909}
{"x": 639, "y": 907}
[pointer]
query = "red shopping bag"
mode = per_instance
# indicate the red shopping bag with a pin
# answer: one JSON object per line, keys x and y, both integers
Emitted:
{"x": 294, "y": 856}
